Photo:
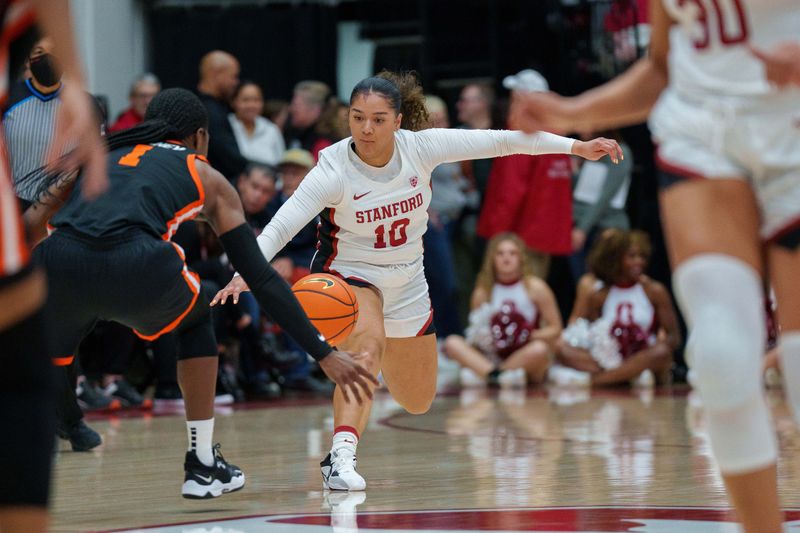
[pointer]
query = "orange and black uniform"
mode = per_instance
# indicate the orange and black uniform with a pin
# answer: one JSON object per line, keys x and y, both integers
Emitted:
{"x": 112, "y": 259}
{"x": 26, "y": 377}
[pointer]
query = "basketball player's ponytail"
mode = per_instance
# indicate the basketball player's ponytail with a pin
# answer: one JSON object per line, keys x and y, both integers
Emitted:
{"x": 174, "y": 114}
{"x": 412, "y": 99}
{"x": 147, "y": 132}
{"x": 403, "y": 92}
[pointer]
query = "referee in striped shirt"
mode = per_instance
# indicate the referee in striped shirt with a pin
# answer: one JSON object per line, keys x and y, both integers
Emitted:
{"x": 29, "y": 121}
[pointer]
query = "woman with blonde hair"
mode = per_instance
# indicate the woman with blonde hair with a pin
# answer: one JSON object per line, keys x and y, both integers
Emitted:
{"x": 514, "y": 320}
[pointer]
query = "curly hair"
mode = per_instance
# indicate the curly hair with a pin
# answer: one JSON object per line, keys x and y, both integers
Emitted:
{"x": 607, "y": 255}
{"x": 403, "y": 92}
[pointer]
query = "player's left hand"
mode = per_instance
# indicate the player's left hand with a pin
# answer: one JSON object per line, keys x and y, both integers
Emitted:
{"x": 782, "y": 63}
{"x": 77, "y": 134}
{"x": 234, "y": 288}
{"x": 597, "y": 148}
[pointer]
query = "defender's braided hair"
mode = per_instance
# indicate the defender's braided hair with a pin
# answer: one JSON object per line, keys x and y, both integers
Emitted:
{"x": 172, "y": 114}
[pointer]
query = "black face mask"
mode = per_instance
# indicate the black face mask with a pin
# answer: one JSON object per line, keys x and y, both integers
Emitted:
{"x": 44, "y": 70}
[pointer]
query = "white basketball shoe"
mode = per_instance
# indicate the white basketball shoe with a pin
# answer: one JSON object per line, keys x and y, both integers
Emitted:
{"x": 339, "y": 470}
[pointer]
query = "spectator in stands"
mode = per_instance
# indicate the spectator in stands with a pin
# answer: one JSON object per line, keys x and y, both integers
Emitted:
{"x": 513, "y": 324}
{"x": 308, "y": 102}
{"x": 29, "y": 121}
{"x": 294, "y": 261}
{"x": 333, "y": 123}
{"x": 259, "y": 140}
{"x": 219, "y": 77}
{"x": 475, "y": 107}
{"x": 257, "y": 188}
{"x": 600, "y": 192}
{"x": 277, "y": 112}
{"x": 142, "y": 91}
{"x": 530, "y": 195}
{"x": 630, "y": 329}
{"x": 475, "y": 111}
{"x": 448, "y": 201}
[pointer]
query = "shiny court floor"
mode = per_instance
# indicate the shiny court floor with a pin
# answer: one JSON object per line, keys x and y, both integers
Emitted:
{"x": 512, "y": 460}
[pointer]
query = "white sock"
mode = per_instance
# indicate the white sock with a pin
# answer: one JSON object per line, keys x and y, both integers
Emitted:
{"x": 200, "y": 433}
{"x": 343, "y": 438}
{"x": 790, "y": 365}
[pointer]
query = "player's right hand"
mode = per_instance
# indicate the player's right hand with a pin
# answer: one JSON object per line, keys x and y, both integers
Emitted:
{"x": 233, "y": 289}
{"x": 536, "y": 111}
{"x": 352, "y": 378}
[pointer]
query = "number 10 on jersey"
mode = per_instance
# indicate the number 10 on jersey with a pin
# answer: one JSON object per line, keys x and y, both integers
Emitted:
{"x": 397, "y": 233}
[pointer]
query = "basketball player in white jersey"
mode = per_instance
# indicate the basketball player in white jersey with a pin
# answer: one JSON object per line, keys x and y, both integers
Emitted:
{"x": 372, "y": 191}
{"x": 729, "y": 154}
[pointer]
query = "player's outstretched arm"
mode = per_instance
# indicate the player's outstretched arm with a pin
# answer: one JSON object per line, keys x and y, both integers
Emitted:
{"x": 623, "y": 101}
{"x": 781, "y": 63}
{"x": 224, "y": 211}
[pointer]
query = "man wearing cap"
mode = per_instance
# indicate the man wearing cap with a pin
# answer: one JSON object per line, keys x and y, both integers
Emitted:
{"x": 294, "y": 261}
{"x": 530, "y": 195}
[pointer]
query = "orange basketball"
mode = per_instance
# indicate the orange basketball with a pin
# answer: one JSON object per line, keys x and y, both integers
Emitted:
{"x": 329, "y": 303}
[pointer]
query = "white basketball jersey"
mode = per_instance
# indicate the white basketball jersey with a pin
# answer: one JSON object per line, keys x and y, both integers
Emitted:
{"x": 516, "y": 293}
{"x": 378, "y": 222}
{"x": 629, "y": 305}
{"x": 378, "y": 216}
{"x": 709, "y": 53}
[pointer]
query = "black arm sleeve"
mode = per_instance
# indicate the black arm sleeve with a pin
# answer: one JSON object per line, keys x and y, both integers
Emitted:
{"x": 271, "y": 291}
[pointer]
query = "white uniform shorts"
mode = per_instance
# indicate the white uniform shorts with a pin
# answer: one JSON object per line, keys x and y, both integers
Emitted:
{"x": 407, "y": 308}
{"x": 757, "y": 139}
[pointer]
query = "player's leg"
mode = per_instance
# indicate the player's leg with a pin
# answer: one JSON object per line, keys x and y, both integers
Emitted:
{"x": 712, "y": 230}
{"x": 784, "y": 258}
{"x": 458, "y": 349}
{"x": 368, "y": 340}
{"x": 409, "y": 368}
{"x": 26, "y": 409}
{"x": 206, "y": 473}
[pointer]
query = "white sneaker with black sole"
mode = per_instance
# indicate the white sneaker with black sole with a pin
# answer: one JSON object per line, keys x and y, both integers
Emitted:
{"x": 203, "y": 482}
{"x": 339, "y": 470}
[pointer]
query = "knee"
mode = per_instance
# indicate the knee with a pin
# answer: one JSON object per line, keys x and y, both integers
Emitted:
{"x": 660, "y": 359}
{"x": 452, "y": 344}
{"x": 419, "y": 406}
{"x": 726, "y": 362}
{"x": 370, "y": 349}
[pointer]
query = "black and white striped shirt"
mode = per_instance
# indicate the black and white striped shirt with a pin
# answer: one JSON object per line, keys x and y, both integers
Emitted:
{"x": 29, "y": 125}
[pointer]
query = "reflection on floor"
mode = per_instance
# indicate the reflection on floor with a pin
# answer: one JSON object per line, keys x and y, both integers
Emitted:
{"x": 512, "y": 460}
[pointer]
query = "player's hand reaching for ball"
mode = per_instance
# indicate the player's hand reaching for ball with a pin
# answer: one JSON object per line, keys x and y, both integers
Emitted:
{"x": 597, "y": 148}
{"x": 352, "y": 378}
{"x": 233, "y": 289}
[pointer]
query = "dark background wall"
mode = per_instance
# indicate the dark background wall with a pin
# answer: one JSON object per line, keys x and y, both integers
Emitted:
{"x": 276, "y": 44}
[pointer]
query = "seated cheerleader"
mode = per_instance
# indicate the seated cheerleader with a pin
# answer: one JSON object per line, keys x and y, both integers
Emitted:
{"x": 626, "y": 329}
{"x": 513, "y": 324}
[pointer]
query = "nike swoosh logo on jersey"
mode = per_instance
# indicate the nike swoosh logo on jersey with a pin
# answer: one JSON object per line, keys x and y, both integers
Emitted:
{"x": 360, "y": 196}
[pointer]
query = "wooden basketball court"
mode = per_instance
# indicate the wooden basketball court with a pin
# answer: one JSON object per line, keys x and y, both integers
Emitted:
{"x": 509, "y": 460}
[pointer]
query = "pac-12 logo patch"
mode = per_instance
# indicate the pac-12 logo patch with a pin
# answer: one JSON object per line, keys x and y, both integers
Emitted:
{"x": 413, "y": 180}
